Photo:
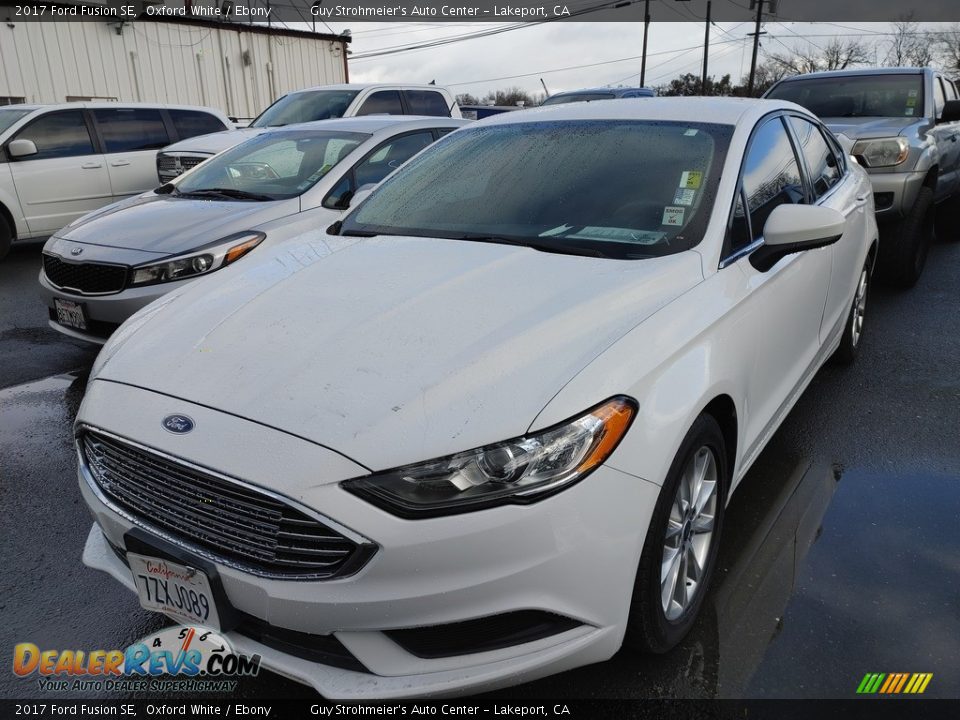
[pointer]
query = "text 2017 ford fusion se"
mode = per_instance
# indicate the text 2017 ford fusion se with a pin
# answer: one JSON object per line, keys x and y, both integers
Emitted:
{"x": 484, "y": 429}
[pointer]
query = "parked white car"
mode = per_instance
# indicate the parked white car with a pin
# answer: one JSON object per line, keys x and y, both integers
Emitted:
{"x": 318, "y": 103}
{"x": 58, "y": 162}
{"x": 487, "y": 430}
{"x": 104, "y": 267}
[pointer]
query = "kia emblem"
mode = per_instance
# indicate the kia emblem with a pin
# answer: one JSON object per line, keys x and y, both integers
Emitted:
{"x": 76, "y": 251}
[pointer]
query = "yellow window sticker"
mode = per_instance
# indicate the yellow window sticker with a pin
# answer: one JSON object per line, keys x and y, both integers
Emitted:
{"x": 691, "y": 179}
{"x": 673, "y": 216}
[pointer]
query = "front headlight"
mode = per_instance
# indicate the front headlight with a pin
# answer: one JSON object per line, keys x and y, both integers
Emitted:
{"x": 884, "y": 152}
{"x": 201, "y": 261}
{"x": 523, "y": 470}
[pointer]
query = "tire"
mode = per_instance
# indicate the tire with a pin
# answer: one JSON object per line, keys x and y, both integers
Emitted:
{"x": 904, "y": 245}
{"x": 853, "y": 329}
{"x": 948, "y": 220}
{"x": 656, "y": 625}
{"x": 6, "y": 238}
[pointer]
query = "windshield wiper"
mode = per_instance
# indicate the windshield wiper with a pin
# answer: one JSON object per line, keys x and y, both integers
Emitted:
{"x": 228, "y": 193}
{"x": 355, "y": 233}
{"x": 541, "y": 244}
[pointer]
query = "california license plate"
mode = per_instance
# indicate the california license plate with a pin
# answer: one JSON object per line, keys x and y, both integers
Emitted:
{"x": 180, "y": 591}
{"x": 70, "y": 313}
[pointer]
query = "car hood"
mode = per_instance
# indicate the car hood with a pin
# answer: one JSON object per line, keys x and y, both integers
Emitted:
{"x": 854, "y": 129}
{"x": 170, "y": 225}
{"x": 214, "y": 142}
{"x": 392, "y": 350}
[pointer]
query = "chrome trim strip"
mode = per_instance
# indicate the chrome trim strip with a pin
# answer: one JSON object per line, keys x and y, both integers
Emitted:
{"x": 87, "y": 475}
{"x": 742, "y": 252}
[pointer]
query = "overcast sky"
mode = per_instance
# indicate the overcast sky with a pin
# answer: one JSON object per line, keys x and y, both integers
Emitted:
{"x": 476, "y": 65}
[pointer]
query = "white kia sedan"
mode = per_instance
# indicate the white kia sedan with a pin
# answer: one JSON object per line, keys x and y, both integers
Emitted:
{"x": 484, "y": 428}
{"x": 101, "y": 269}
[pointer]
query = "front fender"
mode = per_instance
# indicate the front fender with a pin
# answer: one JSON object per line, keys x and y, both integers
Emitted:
{"x": 11, "y": 203}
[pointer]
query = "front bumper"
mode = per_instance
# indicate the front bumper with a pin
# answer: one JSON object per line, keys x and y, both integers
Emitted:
{"x": 895, "y": 192}
{"x": 104, "y": 313}
{"x": 573, "y": 555}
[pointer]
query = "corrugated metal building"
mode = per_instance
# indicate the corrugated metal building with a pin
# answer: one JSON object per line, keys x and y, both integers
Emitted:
{"x": 236, "y": 67}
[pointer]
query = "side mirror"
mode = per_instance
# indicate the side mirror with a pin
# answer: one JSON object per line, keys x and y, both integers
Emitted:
{"x": 951, "y": 112}
{"x": 794, "y": 228}
{"x": 21, "y": 148}
{"x": 361, "y": 194}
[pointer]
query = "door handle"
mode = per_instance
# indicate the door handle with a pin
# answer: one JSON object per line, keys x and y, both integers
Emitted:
{"x": 91, "y": 165}
{"x": 120, "y": 163}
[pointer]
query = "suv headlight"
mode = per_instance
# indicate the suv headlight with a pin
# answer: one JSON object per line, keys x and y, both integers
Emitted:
{"x": 883, "y": 152}
{"x": 522, "y": 470}
{"x": 201, "y": 261}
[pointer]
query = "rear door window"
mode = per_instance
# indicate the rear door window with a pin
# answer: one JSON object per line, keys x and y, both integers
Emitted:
{"x": 190, "y": 123}
{"x": 426, "y": 102}
{"x": 131, "y": 129}
{"x": 382, "y": 102}
{"x": 59, "y": 135}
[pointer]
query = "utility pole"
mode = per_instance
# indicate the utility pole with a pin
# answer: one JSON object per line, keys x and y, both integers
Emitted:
{"x": 646, "y": 28}
{"x": 758, "y": 4}
{"x": 706, "y": 51}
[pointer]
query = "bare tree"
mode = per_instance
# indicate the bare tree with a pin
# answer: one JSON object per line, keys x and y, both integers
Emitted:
{"x": 837, "y": 54}
{"x": 907, "y": 47}
{"x": 948, "y": 47}
{"x": 467, "y": 99}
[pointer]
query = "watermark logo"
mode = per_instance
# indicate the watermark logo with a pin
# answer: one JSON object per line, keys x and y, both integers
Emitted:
{"x": 199, "y": 659}
{"x": 894, "y": 683}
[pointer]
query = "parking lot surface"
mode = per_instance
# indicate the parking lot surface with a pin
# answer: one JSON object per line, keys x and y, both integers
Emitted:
{"x": 840, "y": 555}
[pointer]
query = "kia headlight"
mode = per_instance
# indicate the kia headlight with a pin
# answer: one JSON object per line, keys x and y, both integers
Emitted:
{"x": 518, "y": 471}
{"x": 201, "y": 261}
{"x": 883, "y": 152}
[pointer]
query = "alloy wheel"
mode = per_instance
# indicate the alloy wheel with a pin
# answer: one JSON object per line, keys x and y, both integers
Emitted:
{"x": 689, "y": 534}
{"x": 859, "y": 308}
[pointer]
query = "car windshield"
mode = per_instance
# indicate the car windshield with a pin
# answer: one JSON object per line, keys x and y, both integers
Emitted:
{"x": 8, "y": 116}
{"x": 856, "y": 95}
{"x": 272, "y": 166}
{"x": 577, "y": 97}
{"x": 607, "y": 188}
{"x": 306, "y": 107}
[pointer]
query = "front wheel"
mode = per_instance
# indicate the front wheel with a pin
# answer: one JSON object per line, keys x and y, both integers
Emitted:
{"x": 904, "y": 245}
{"x": 853, "y": 330}
{"x": 680, "y": 550}
{"x": 6, "y": 238}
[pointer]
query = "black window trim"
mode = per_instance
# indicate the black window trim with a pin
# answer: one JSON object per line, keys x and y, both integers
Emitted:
{"x": 804, "y": 168}
{"x": 350, "y": 172}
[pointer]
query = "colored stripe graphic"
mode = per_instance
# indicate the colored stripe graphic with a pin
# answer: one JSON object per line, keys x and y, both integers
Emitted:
{"x": 894, "y": 683}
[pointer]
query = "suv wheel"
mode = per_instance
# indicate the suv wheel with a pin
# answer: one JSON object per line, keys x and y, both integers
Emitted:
{"x": 681, "y": 546}
{"x": 904, "y": 245}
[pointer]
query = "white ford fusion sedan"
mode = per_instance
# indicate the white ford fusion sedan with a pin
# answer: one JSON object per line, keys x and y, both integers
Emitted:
{"x": 484, "y": 428}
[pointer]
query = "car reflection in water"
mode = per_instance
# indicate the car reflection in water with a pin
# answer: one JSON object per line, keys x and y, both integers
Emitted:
{"x": 771, "y": 524}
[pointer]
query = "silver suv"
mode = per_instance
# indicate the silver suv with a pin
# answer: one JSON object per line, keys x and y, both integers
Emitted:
{"x": 903, "y": 126}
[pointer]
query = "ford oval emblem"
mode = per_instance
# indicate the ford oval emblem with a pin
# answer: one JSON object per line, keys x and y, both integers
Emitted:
{"x": 76, "y": 251}
{"x": 178, "y": 424}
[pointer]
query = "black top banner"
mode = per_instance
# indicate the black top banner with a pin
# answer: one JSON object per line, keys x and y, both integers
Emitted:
{"x": 483, "y": 11}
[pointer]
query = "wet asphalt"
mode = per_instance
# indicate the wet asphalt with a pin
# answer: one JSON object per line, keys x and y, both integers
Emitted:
{"x": 840, "y": 555}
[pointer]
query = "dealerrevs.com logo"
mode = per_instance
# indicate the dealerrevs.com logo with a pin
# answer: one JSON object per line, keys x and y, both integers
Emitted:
{"x": 193, "y": 659}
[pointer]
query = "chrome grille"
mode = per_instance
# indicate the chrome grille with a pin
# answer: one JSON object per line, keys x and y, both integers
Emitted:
{"x": 170, "y": 166}
{"x": 236, "y": 523}
{"x": 84, "y": 278}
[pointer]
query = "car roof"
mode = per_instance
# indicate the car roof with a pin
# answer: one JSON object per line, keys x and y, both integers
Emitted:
{"x": 724, "y": 111}
{"x": 366, "y": 86}
{"x": 610, "y": 90}
{"x": 859, "y": 71}
{"x": 374, "y": 123}
{"x": 20, "y": 106}
{"x": 110, "y": 104}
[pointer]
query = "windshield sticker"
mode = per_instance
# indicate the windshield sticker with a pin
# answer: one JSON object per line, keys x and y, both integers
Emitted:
{"x": 913, "y": 93}
{"x": 909, "y": 111}
{"x": 911, "y": 102}
{"x": 684, "y": 196}
{"x": 673, "y": 216}
{"x": 640, "y": 237}
{"x": 691, "y": 179}
{"x": 690, "y": 132}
